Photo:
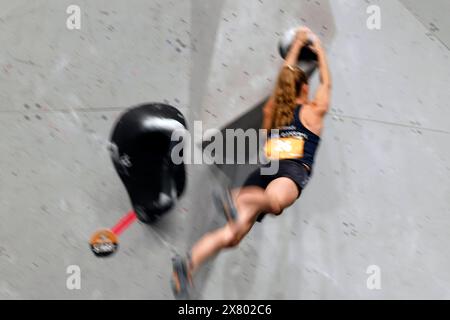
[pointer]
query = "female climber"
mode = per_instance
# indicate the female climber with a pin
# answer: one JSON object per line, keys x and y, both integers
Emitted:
{"x": 299, "y": 122}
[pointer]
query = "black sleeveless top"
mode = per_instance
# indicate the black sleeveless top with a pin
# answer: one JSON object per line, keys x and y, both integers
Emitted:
{"x": 297, "y": 130}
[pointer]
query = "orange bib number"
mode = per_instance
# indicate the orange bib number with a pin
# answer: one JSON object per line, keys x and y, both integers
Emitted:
{"x": 284, "y": 148}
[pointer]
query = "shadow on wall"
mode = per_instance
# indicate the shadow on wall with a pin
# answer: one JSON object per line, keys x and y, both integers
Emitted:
{"x": 315, "y": 14}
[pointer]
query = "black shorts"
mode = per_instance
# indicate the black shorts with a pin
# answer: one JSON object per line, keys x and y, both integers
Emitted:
{"x": 291, "y": 169}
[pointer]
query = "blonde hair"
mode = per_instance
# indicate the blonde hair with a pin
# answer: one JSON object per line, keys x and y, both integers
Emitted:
{"x": 289, "y": 84}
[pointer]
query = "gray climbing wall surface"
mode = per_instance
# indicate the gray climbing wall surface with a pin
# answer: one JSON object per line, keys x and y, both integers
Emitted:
{"x": 379, "y": 195}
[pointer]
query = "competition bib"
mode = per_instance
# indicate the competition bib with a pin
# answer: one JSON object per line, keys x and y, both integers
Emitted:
{"x": 284, "y": 148}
